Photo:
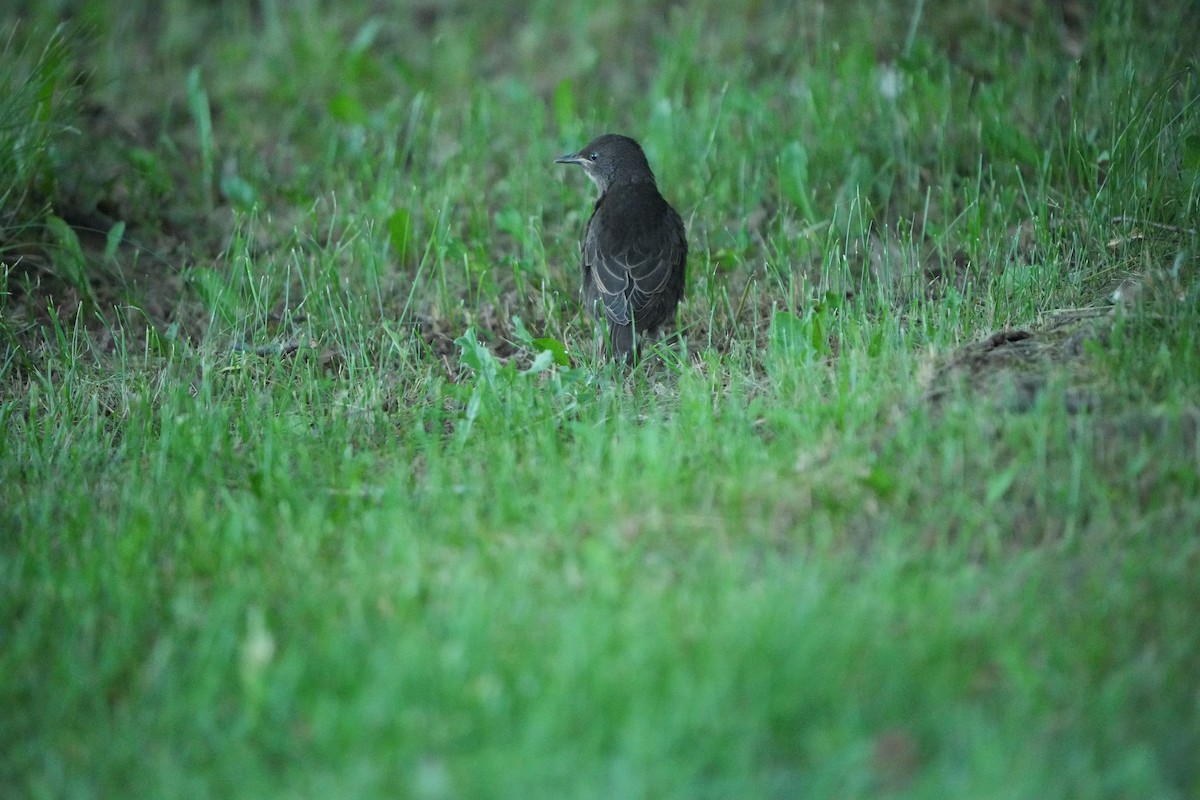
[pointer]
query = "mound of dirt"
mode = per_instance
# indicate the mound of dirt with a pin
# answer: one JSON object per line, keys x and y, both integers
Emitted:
{"x": 1013, "y": 368}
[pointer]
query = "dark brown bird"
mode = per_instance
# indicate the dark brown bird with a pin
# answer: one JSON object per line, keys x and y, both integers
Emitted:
{"x": 635, "y": 247}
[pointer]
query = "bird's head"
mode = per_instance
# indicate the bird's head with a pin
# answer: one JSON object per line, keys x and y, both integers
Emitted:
{"x": 611, "y": 159}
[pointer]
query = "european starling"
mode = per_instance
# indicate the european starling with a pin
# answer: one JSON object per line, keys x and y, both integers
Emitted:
{"x": 634, "y": 248}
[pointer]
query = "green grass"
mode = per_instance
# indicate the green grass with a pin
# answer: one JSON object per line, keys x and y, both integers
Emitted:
{"x": 292, "y": 506}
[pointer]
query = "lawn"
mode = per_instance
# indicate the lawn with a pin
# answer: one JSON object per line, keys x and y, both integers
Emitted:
{"x": 315, "y": 482}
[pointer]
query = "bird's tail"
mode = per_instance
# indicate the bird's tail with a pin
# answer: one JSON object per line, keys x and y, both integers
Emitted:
{"x": 623, "y": 344}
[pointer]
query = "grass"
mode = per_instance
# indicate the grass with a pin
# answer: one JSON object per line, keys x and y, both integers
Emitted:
{"x": 293, "y": 503}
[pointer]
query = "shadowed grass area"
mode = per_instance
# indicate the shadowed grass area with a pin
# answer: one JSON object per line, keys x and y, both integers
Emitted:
{"x": 311, "y": 483}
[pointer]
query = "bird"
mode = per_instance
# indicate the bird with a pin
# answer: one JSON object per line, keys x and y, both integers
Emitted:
{"x": 634, "y": 249}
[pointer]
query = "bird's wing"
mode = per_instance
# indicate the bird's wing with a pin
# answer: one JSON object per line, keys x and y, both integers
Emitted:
{"x": 630, "y": 275}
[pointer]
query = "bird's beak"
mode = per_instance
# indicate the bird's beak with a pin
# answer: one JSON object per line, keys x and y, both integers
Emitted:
{"x": 570, "y": 158}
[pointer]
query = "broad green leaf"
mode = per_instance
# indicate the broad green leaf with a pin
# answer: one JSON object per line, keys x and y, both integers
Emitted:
{"x": 793, "y": 177}
{"x": 113, "y": 240}
{"x": 69, "y": 258}
{"x": 793, "y": 336}
{"x": 557, "y": 349}
{"x": 542, "y": 362}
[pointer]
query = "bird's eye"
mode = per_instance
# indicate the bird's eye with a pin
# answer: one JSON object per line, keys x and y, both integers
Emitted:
{"x": 594, "y": 156}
